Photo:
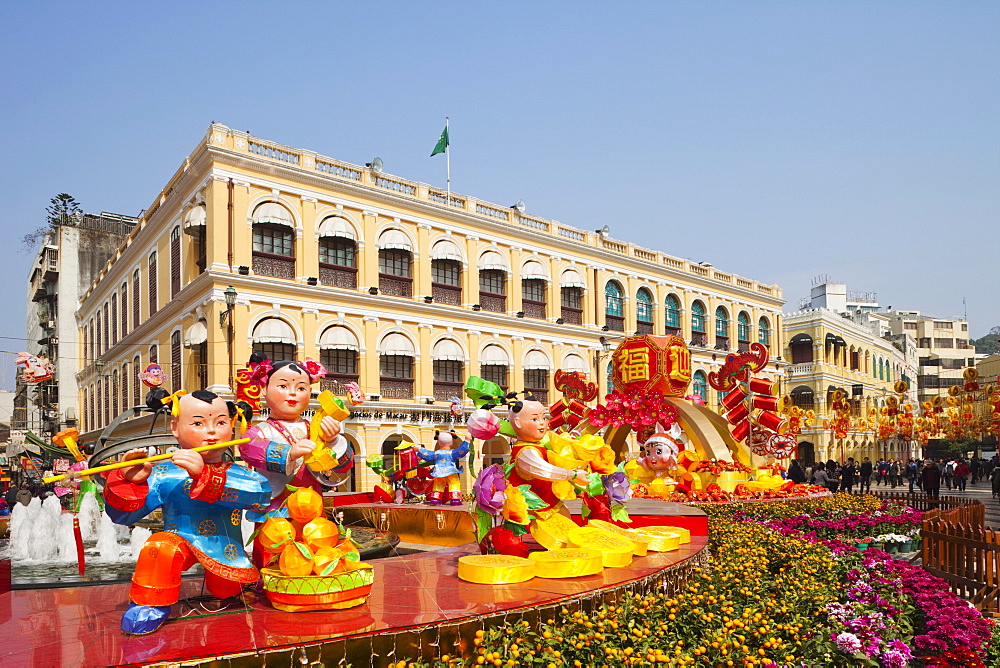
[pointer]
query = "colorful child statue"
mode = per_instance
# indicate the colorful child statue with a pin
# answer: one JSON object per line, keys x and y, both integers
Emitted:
{"x": 447, "y": 486}
{"x": 279, "y": 445}
{"x": 202, "y": 498}
{"x": 658, "y": 457}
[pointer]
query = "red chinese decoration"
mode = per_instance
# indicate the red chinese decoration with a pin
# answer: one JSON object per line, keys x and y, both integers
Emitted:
{"x": 570, "y": 410}
{"x": 574, "y": 385}
{"x": 249, "y": 390}
{"x": 635, "y": 408}
{"x": 652, "y": 364}
{"x": 750, "y": 406}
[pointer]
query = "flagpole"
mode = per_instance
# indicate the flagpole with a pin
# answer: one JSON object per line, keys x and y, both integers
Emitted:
{"x": 447, "y": 157}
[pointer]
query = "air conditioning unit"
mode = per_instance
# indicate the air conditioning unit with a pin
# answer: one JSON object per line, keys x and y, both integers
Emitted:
{"x": 50, "y": 324}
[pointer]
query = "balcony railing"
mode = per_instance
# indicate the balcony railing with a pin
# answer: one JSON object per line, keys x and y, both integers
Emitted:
{"x": 533, "y": 309}
{"x": 540, "y": 395}
{"x": 743, "y": 346}
{"x": 643, "y": 327}
{"x": 275, "y": 266}
{"x": 396, "y": 388}
{"x": 615, "y": 323}
{"x": 572, "y": 316}
{"x": 444, "y": 390}
{"x": 337, "y": 276}
{"x": 672, "y": 331}
{"x": 722, "y": 343}
{"x": 699, "y": 339}
{"x": 397, "y": 286}
{"x": 446, "y": 294}
{"x": 335, "y": 382}
{"x": 493, "y": 302}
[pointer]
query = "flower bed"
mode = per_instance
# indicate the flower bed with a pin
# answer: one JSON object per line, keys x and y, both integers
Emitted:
{"x": 778, "y": 594}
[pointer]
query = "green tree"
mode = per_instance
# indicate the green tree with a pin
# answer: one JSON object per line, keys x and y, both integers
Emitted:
{"x": 60, "y": 211}
{"x": 988, "y": 344}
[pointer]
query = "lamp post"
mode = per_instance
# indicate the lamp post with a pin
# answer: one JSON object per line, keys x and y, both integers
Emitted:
{"x": 226, "y": 321}
{"x": 600, "y": 355}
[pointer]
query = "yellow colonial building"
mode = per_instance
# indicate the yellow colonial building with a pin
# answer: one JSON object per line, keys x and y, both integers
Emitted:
{"x": 387, "y": 282}
{"x": 841, "y": 340}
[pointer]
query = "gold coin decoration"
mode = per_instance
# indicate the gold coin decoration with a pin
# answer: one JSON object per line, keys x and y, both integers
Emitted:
{"x": 640, "y": 546}
{"x": 616, "y": 551}
{"x": 567, "y": 563}
{"x": 495, "y": 569}
{"x": 552, "y": 531}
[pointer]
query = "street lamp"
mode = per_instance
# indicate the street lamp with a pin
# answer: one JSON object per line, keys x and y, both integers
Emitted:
{"x": 226, "y": 318}
{"x": 227, "y": 315}
{"x": 600, "y": 355}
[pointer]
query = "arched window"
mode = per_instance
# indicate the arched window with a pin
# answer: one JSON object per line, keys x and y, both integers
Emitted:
{"x": 114, "y": 394}
{"x": 614, "y": 306}
{"x": 699, "y": 385}
{"x": 125, "y": 387}
{"x": 85, "y": 413}
{"x": 274, "y": 339}
{"x": 124, "y": 302}
{"x": 743, "y": 329}
{"x": 721, "y": 328}
{"x": 396, "y": 355}
{"x": 153, "y": 302}
{"x": 609, "y": 376}
{"x": 449, "y": 366}
{"x": 536, "y": 375}
{"x": 764, "y": 331}
{"x": 338, "y": 352}
{"x": 571, "y": 287}
{"x": 644, "y": 311}
{"x": 699, "y": 337}
{"x": 801, "y": 347}
{"x": 494, "y": 364}
{"x": 136, "y": 388}
{"x": 175, "y": 361}
{"x": 446, "y": 273}
{"x": 114, "y": 318}
{"x": 175, "y": 261}
{"x": 107, "y": 327}
{"x": 493, "y": 270}
{"x": 194, "y": 226}
{"x": 672, "y": 314}
{"x": 802, "y": 396}
{"x": 534, "y": 281}
{"x": 337, "y": 254}
{"x": 395, "y": 264}
{"x": 136, "y": 320}
{"x": 273, "y": 241}
{"x": 196, "y": 338}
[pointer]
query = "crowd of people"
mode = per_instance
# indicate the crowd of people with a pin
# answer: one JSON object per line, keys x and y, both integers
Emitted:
{"x": 928, "y": 475}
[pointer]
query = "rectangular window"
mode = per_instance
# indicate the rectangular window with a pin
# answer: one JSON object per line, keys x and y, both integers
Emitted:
{"x": 396, "y": 366}
{"x": 448, "y": 371}
{"x": 446, "y": 272}
{"x": 909, "y": 325}
{"x": 923, "y": 342}
{"x": 493, "y": 281}
{"x": 273, "y": 239}
{"x": 175, "y": 261}
{"x": 338, "y": 251}
{"x": 340, "y": 361}
{"x": 107, "y": 328}
{"x": 124, "y": 310}
{"x": 394, "y": 263}
{"x": 533, "y": 290}
{"x": 943, "y": 324}
{"x": 494, "y": 373}
{"x": 944, "y": 343}
{"x": 571, "y": 297}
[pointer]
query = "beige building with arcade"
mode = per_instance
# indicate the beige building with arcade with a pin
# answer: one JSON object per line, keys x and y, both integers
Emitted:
{"x": 386, "y": 282}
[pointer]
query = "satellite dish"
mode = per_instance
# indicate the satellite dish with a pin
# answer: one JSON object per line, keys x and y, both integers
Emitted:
{"x": 605, "y": 231}
{"x": 377, "y": 165}
{"x": 519, "y": 205}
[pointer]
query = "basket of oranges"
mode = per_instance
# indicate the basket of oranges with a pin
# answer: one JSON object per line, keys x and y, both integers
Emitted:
{"x": 318, "y": 567}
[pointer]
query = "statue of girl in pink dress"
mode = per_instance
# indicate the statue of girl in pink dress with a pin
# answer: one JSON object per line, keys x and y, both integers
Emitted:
{"x": 280, "y": 444}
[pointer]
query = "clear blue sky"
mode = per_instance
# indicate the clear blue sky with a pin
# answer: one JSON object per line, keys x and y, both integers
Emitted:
{"x": 776, "y": 140}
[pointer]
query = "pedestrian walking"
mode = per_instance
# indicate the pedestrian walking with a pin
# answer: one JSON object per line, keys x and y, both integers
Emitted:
{"x": 961, "y": 475}
{"x": 866, "y": 476}
{"x": 930, "y": 479}
{"x": 847, "y": 475}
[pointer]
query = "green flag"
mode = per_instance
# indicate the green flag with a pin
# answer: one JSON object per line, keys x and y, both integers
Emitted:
{"x": 442, "y": 142}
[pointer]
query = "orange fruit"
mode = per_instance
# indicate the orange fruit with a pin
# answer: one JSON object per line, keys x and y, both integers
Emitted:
{"x": 319, "y": 533}
{"x": 296, "y": 559}
{"x": 305, "y": 504}
{"x": 275, "y": 533}
{"x": 326, "y": 556}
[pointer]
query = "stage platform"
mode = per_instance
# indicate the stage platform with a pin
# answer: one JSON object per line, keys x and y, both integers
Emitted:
{"x": 418, "y": 607}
